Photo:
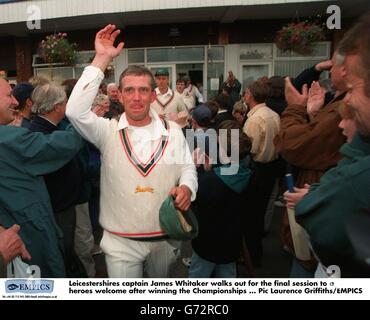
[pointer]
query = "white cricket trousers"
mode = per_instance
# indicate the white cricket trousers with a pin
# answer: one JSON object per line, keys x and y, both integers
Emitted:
{"x": 126, "y": 258}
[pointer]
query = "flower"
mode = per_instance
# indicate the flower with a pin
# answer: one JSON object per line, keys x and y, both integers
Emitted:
{"x": 57, "y": 49}
{"x": 299, "y": 37}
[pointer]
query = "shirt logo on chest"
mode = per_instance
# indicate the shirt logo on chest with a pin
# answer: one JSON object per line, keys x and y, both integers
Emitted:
{"x": 140, "y": 189}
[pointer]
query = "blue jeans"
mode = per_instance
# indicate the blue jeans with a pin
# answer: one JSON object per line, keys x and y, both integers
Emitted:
{"x": 201, "y": 268}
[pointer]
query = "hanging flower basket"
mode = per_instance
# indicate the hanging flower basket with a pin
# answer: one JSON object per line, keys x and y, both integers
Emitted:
{"x": 299, "y": 37}
{"x": 57, "y": 49}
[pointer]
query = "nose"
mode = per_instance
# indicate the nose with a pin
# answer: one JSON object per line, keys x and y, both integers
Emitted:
{"x": 14, "y": 102}
{"x": 136, "y": 95}
{"x": 341, "y": 124}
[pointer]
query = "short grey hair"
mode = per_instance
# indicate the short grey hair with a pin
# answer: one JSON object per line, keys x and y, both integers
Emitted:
{"x": 112, "y": 85}
{"x": 99, "y": 99}
{"x": 46, "y": 97}
{"x": 240, "y": 107}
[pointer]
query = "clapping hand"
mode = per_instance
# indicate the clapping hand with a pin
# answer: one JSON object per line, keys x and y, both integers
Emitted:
{"x": 292, "y": 95}
{"x": 316, "y": 99}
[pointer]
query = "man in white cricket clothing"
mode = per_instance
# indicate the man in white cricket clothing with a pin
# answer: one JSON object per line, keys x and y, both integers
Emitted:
{"x": 143, "y": 159}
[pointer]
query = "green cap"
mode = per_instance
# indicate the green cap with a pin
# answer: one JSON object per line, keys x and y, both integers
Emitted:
{"x": 178, "y": 225}
{"x": 162, "y": 72}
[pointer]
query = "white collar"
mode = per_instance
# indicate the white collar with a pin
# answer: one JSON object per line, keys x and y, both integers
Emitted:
{"x": 221, "y": 111}
{"x": 253, "y": 110}
{"x": 159, "y": 128}
{"x": 169, "y": 92}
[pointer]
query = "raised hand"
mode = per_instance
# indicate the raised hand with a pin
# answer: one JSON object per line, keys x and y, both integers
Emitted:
{"x": 324, "y": 65}
{"x": 104, "y": 46}
{"x": 293, "y": 96}
{"x": 316, "y": 99}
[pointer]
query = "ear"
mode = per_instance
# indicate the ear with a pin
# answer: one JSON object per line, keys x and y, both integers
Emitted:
{"x": 59, "y": 108}
{"x": 29, "y": 103}
{"x": 120, "y": 96}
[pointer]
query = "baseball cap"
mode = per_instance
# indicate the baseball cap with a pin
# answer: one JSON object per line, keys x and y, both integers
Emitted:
{"x": 202, "y": 115}
{"x": 162, "y": 72}
{"x": 22, "y": 91}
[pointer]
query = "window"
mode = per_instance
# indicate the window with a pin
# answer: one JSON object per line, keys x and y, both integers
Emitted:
{"x": 136, "y": 56}
{"x": 293, "y": 68}
{"x": 256, "y": 51}
{"x": 291, "y": 64}
{"x": 215, "y": 53}
{"x": 58, "y": 72}
{"x": 215, "y": 78}
{"x": 175, "y": 54}
{"x": 322, "y": 50}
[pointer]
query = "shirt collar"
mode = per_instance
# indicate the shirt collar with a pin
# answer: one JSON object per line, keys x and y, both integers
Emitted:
{"x": 168, "y": 93}
{"x": 54, "y": 124}
{"x": 159, "y": 128}
{"x": 255, "y": 108}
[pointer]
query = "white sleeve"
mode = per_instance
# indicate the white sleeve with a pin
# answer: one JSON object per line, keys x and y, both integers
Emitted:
{"x": 87, "y": 123}
{"x": 188, "y": 170}
{"x": 198, "y": 95}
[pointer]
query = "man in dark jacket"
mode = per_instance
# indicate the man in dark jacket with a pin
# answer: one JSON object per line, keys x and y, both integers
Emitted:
{"x": 65, "y": 184}
{"x": 115, "y": 107}
{"x": 234, "y": 87}
{"x": 223, "y": 112}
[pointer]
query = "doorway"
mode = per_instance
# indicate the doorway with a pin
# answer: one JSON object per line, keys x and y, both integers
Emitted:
{"x": 171, "y": 70}
{"x": 253, "y": 71}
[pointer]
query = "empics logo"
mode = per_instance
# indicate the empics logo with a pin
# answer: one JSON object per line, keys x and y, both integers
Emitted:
{"x": 29, "y": 286}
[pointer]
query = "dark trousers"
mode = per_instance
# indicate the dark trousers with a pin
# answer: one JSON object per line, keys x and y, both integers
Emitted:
{"x": 66, "y": 220}
{"x": 257, "y": 195}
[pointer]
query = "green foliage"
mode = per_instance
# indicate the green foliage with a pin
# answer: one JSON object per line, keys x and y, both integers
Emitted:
{"x": 57, "y": 49}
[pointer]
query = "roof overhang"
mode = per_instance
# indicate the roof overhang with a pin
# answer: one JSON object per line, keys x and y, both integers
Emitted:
{"x": 92, "y": 14}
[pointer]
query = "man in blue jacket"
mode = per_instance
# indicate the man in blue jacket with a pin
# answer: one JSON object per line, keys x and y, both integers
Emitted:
{"x": 24, "y": 200}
